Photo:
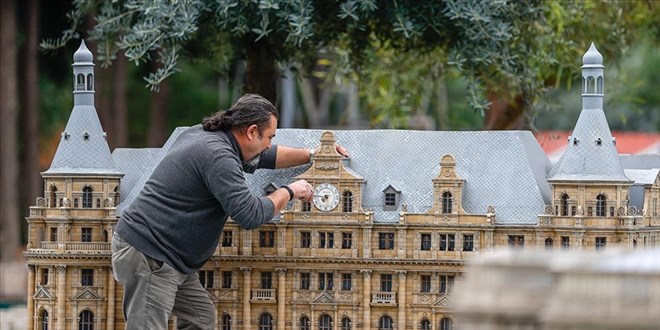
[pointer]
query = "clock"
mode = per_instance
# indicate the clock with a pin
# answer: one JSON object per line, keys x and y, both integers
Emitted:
{"x": 326, "y": 197}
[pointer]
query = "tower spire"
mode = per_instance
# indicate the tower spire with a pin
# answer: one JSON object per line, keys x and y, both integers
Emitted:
{"x": 591, "y": 153}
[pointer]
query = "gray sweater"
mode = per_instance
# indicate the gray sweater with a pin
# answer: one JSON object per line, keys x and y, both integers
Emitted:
{"x": 178, "y": 216}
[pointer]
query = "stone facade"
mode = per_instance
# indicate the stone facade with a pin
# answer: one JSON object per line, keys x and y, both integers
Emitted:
{"x": 364, "y": 262}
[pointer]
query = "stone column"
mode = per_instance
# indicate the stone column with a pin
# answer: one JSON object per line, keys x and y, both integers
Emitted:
{"x": 61, "y": 296}
{"x": 111, "y": 299}
{"x": 366, "y": 300}
{"x": 281, "y": 297}
{"x": 246, "y": 297}
{"x": 30, "y": 296}
{"x": 402, "y": 299}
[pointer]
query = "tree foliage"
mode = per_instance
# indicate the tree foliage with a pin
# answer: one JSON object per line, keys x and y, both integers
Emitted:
{"x": 516, "y": 49}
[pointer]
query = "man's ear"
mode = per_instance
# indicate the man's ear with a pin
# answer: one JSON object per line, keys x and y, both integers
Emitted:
{"x": 251, "y": 132}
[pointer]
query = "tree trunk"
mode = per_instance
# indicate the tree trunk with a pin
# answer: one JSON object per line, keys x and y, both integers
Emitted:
{"x": 504, "y": 113}
{"x": 261, "y": 75}
{"x": 158, "y": 113}
{"x": 9, "y": 216}
{"x": 119, "y": 107}
{"x": 32, "y": 186}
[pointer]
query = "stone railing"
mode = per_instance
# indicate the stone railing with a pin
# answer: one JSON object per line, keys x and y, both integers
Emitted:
{"x": 263, "y": 294}
{"x": 383, "y": 298}
{"x": 89, "y": 247}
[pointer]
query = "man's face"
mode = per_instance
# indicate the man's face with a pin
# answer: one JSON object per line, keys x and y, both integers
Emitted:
{"x": 261, "y": 141}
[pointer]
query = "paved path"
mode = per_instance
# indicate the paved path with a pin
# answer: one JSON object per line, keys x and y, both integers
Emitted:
{"x": 13, "y": 318}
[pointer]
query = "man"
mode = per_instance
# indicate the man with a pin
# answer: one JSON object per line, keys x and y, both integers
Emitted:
{"x": 172, "y": 228}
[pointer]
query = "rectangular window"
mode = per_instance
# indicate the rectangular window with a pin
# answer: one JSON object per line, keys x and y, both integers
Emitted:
{"x": 266, "y": 280}
{"x": 306, "y": 206}
{"x": 346, "y": 282}
{"x": 87, "y": 277}
{"x": 601, "y": 242}
{"x": 565, "y": 242}
{"x": 75, "y": 202}
{"x": 226, "y": 279}
{"x": 573, "y": 210}
{"x": 386, "y": 282}
{"x": 468, "y": 242}
{"x": 390, "y": 199}
{"x": 590, "y": 211}
{"x": 425, "y": 283}
{"x": 98, "y": 203}
{"x": 266, "y": 238}
{"x": 325, "y": 281}
{"x": 304, "y": 281}
{"x": 206, "y": 278}
{"x": 346, "y": 240}
{"x": 426, "y": 242}
{"x": 517, "y": 240}
{"x": 44, "y": 276}
{"x": 53, "y": 234}
{"x": 611, "y": 211}
{"x": 326, "y": 240}
{"x": 446, "y": 283}
{"x": 386, "y": 241}
{"x": 86, "y": 234}
{"x": 447, "y": 242}
{"x": 305, "y": 239}
{"x": 227, "y": 238}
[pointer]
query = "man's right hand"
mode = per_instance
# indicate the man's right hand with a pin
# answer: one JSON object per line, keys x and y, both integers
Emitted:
{"x": 302, "y": 190}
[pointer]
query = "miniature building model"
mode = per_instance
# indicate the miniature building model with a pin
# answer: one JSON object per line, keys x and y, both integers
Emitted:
{"x": 380, "y": 247}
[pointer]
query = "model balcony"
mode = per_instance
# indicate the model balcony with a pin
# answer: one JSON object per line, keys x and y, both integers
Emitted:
{"x": 263, "y": 295}
{"x": 73, "y": 247}
{"x": 383, "y": 298}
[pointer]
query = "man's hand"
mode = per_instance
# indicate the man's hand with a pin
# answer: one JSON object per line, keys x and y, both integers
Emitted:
{"x": 340, "y": 150}
{"x": 302, "y": 190}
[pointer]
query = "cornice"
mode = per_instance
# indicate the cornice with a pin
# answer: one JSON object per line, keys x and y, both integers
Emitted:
{"x": 355, "y": 261}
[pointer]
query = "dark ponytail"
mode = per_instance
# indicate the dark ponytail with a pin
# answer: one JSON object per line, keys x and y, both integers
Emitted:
{"x": 250, "y": 109}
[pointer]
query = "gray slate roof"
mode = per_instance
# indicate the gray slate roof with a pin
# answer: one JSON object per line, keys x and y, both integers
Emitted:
{"x": 505, "y": 169}
{"x": 642, "y": 177}
{"x": 586, "y": 160}
{"x": 138, "y": 164}
{"x": 641, "y": 161}
{"x": 75, "y": 155}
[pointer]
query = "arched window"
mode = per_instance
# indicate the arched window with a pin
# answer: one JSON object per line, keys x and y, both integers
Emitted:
{"x": 52, "y": 200}
{"x": 425, "y": 325}
{"x": 226, "y": 322}
{"x": 385, "y": 323}
{"x": 591, "y": 86}
{"x": 43, "y": 320}
{"x": 564, "y": 205}
{"x": 325, "y": 322}
{"x": 446, "y": 202}
{"x": 600, "y": 205}
{"x": 87, "y": 197}
{"x": 347, "y": 202}
{"x": 90, "y": 82}
{"x": 345, "y": 323}
{"x": 548, "y": 243}
{"x": 304, "y": 323}
{"x": 446, "y": 324}
{"x": 80, "y": 82}
{"x": 265, "y": 322}
{"x": 117, "y": 196}
{"x": 599, "y": 85}
{"x": 86, "y": 321}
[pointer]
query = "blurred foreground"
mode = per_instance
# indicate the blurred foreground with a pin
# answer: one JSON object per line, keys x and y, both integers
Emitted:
{"x": 612, "y": 289}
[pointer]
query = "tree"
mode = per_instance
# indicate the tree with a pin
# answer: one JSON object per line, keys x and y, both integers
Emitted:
{"x": 508, "y": 51}
{"x": 9, "y": 214}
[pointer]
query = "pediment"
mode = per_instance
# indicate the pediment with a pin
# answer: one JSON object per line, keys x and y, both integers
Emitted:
{"x": 87, "y": 294}
{"x": 42, "y": 293}
{"x": 443, "y": 301}
{"x": 324, "y": 298}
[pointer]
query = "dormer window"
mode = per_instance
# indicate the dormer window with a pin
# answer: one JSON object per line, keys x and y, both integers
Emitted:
{"x": 391, "y": 198}
{"x": 86, "y": 136}
{"x": 575, "y": 141}
{"x": 447, "y": 202}
{"x": 599, "y": 142}
{"x": 347, "y": 201}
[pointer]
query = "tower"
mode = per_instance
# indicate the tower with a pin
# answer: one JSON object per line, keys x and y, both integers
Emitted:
{"x": 70, "y": 228}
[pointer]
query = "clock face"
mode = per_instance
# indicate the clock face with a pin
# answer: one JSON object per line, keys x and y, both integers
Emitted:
{"x": 326, "y": 197}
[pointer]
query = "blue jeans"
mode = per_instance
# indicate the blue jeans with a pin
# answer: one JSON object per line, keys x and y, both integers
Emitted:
{"x": 153, "y": 290}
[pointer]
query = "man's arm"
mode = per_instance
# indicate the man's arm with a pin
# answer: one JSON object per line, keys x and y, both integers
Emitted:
{"x": 289, "y": 157}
